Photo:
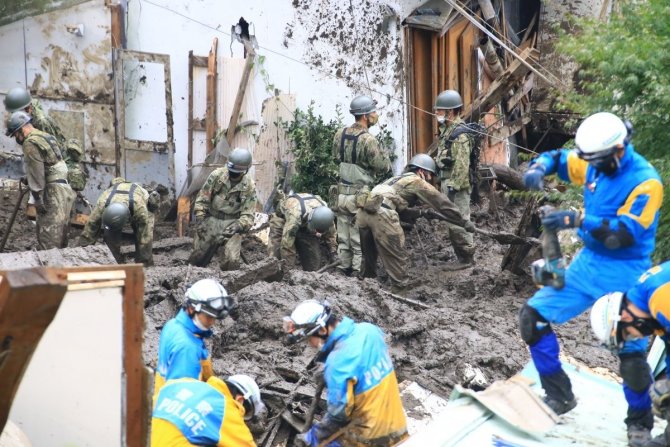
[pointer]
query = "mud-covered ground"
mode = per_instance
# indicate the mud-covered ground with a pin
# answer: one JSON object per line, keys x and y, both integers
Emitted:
{"x": 471, "y": 322}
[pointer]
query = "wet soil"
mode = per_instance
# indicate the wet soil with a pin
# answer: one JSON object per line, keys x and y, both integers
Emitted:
{"x": 471, "y": 322}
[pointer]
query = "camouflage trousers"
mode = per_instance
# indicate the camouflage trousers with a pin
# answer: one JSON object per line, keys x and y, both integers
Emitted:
{"x": 52, "y": 227}
{"x": 461, "y": 240}
{"x": 143, "y": 237}
{"x": 209, "y": 238}
{"x": 307, "y": 246}
{"x": 381, "y": 234}
{"x": 348, "y": 237}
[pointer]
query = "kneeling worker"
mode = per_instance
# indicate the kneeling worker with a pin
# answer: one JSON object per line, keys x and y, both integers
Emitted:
{"x": 379, "y": 217}
{"x": 123, "y": 202}
{"x": 364, "y": 405}
{"x": 296, "y": 229}
{"x": 212, "y": 413}
{"x": 638, "y": 313}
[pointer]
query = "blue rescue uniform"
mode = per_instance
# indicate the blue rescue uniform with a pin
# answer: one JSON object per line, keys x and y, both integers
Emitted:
{"x": 363, "y": 394}
{"x": 193, "y": 413}
{"x": 652, "y": 295}
{"x": 182, "y": 352}
{"x": 621, "y": 215}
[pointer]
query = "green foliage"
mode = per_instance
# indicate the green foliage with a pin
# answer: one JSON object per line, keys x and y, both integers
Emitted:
{"x": 312, "y": 145}
{"x": 624, "y": 68}
{"x": 387, "y": 144}
{"x": 260, "y": 63}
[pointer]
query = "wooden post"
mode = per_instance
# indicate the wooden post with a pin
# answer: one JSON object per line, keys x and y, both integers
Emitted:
{"x": 234, "y": 117}
{"x": 183, "y": 214}
{"x": 210, "y": 115}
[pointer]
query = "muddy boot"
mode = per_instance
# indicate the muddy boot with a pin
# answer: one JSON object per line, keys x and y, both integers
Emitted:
{"x": 460, "y": 264}
{"x": 662, "y": 440}
{"x": 639, "y": 436}
{"x": 559, "y": 392}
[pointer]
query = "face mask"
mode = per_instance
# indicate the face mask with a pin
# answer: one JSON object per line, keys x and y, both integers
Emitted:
{"x": 607, "y": 166}
{"x": 198, "y": 324}
{"x": 441, "y": 119}
{"x": 19, "y": 138}
{"x": 372, "y": 120}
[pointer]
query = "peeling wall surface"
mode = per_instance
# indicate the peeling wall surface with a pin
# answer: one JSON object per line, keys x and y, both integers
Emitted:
{"x": 13, "y": 10}
{"x": 71, "y": 75}
{"x": 318, "y": 50}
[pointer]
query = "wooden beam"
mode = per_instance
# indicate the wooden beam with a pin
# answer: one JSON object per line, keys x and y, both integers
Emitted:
{"x": 499, "y": 88}
{"x": 210, "y": 114}
{"x": 237, "y": 106}
{"x": 116, "y": 11}
{"x": 183, "y": 214}
{"x": 191, "y": 65}
{"x": 509, "y": 129}
{"x": 526, "y": 86}
{"x": 200, "y": 61}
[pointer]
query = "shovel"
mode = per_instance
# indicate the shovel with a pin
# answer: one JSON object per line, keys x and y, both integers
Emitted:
{"x": 296, "y": 422}
{"x": 22, "y": 193}
{"x": 503, "y": 238}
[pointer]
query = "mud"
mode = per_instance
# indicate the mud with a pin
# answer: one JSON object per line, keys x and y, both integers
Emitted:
{"x": 471, "y": 324}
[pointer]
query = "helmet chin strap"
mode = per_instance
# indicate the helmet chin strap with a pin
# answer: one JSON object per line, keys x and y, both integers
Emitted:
{"x": 197, "y": 323}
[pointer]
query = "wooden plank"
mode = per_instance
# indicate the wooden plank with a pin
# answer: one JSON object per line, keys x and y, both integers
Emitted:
{"x": 409, "y": 69}
{"x": 79, "y": 220}
{"x": 76, "y": 277}
{"x": 466, "y": 44}
{"x": 273, "y": 143}
{"x": 116, "y": 12}
{"x": 96, "y": 285}
{"x": 498, "y": 89}
{"x": 189, "y": 158}
{"x": 183, "y": 215}
{"x": 237, "y": 106}
{"x": 210, "y": 113}
{"x": 453, "y": 36}
{"x": 509, "y": 129}
{"x": 200, "y": 61}
{"x": 526, "y": 86}
{"x": 423, "y": 91}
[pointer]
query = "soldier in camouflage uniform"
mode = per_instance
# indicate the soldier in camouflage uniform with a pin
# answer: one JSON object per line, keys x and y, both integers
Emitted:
{"x": 361, "y": 160}
{"x": 297, "y": 228}
{"x": 46, "y": 177}
{"x": 390, "y": 200}
{"x": 224, "y": 209}
{"x": 72, "y": 151}
{"x": 453, "y": 161}
{"x": 140, "y": 205}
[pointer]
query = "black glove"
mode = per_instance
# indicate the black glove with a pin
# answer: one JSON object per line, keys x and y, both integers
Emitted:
{"x": 232, "y": 229}
{"x": 24, "y": 180}
{"x": 40, "y": 208}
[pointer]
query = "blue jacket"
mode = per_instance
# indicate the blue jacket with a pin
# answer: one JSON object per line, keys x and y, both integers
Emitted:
{"x": 182, "y": 352}
{"x": 630, "y": 199}
{"x": 362, "y": 386}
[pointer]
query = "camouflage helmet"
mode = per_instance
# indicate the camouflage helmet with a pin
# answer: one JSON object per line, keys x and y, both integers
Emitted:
{"x": 16, "y": 121}
{"x": 448, "y": 99}
{"x": 115, "y": 216}
{"x": 17, "y": 98}
{"x": 321, "y": 219}
{"x": 423, "y": 161}
{"x": 239, "y": 160}
{"x": 362, "y": 105}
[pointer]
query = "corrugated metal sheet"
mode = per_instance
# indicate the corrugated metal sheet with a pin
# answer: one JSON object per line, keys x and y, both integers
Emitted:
{"x": 596, "y": 421}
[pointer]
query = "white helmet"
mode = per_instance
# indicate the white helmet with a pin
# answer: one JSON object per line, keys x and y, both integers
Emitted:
{"x": 210, "y": 297}
{"x": 251, "y": 393}
{"x": 598, "y": 134}
{"x": 605, "y": 317}
{"x": 307, "y": 319}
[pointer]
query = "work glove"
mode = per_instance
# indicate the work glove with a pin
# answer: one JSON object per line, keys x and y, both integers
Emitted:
{"x": 318, "y": 373}
{"x": 24, "y": 180}
{"x": 562, "y": 219}
{"x": 232, "y": 229}
{"x": 533, "y": 178}
{"x": 469, "y": 226}
{"x": 660, "y": 398}
{"x": 309, "y": 439}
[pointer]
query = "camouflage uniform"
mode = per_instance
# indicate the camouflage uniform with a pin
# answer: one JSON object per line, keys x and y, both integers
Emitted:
{"x": 46, "y": 173}
{"x": 454, "y": 170}
{"x": 136, "y": 198}
{"x": 221, "y": 204}
{"x": 73, "y": 151}
{"x": 289, "y": 232}
{"x": 380, "y": 216}
{"x": 361, "y": 161}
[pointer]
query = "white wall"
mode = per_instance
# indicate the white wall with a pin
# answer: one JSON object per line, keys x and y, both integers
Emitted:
{"x": 306, "y": 44}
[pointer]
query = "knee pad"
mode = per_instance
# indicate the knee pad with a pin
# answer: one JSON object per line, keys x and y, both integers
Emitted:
{"x": 532, "y": 325}
{"x": 635, "y": 372}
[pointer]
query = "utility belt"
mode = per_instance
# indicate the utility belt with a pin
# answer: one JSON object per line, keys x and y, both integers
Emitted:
{"x": 58, "y": 180}
{"x": 223, "y": 216}
{"x": 383, "y": 441}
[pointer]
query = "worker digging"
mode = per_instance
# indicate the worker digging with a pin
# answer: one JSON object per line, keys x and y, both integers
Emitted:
{"x": 313, "y": 279}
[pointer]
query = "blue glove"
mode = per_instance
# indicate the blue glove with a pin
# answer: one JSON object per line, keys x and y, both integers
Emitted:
{"x": 311, "y": 440}
{"x": 533, "y": 178}
{"x": 562, "y": 219}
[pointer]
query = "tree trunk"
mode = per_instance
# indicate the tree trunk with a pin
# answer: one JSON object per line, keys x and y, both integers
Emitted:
{"x": 509, "y": 177}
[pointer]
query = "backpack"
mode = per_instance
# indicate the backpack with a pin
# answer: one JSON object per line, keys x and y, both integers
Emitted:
{"x": 476, "y": 132}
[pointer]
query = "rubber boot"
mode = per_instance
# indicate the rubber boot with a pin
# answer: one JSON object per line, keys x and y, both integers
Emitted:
{"x": 460, "y": 264}
{"x": 639, "y": 425}
{"x": 662, "y": 440}
{"x": 558, "y": 388}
